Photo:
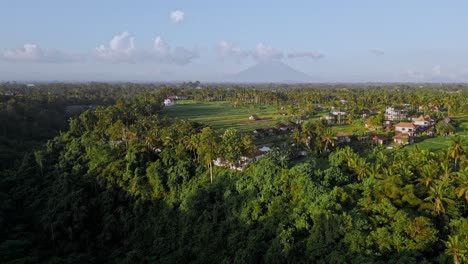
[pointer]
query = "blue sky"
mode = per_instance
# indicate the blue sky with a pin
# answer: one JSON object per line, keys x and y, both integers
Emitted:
{"x": 332, "y": 41}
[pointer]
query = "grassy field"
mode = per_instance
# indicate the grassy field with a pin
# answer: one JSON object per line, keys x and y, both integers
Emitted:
{"x": 221, "y": 115}
{"x": 441, "y": 142}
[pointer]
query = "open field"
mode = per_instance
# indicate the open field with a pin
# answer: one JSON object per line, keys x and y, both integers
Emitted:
{"x": 221, "y": 115}
{"x": 441, "y": 142}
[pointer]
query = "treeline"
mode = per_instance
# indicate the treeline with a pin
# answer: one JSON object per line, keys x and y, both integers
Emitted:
{"x": 123, "y": 185}
{"x": 29, "y": 116}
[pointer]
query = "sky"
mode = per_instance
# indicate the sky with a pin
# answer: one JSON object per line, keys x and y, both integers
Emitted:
{"x": 187, "y": 40}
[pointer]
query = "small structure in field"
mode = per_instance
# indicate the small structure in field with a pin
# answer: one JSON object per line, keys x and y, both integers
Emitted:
{"x": 254, "y": 117}
{"x": 169, "y": 102}
{"x": 264, "y": 149}
{"x": 285, "y": 128}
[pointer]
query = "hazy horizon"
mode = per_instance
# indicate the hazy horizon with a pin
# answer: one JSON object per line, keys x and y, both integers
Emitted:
{"x": 176, "y": 41}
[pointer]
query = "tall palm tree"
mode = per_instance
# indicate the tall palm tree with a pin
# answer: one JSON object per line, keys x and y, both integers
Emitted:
{"x": 456, "y": 149}
{"x": 328, "y": 139}
{"x": 455, "y": 247}
{"x": 207, "y": 148}
{"x": 360, "y": 167}
{"x": 446, "y": 170}
{"x": 374, "y": 171}
{"x": 427, "y": 176}
{"x": 437, "y": 197}
{"x": 462, "y": 189}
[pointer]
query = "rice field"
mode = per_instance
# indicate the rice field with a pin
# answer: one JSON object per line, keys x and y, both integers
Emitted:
{"x": 222, "y": 115}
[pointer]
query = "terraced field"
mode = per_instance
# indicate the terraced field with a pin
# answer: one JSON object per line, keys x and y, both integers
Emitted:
{"x": 221, "y": 115}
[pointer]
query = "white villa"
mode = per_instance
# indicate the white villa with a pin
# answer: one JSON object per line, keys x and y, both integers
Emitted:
{"x": 423, "y": 121}
{"x": 405, "y": 128}
{"x": 395, "y": 113}
{"x": 169, "y": 102}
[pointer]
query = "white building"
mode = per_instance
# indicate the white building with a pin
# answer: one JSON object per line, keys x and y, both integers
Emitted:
{"x": 395, "y": 113}
{"x": 405, "y": 128}
{"x": 424, "y": 121}
{"x": 169, "y": 102}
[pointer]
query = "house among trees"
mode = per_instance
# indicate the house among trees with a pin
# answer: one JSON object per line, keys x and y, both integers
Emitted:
{"x": 264, "y": 132}
{"x": 178, "y": 97}
{"x": 404, "y": 132}
{"x": 330, "y": 119}
{"x": 285, "y": 128}
{"x": 395, "y": 113}
{"x": 423, "y": 121}
{"x": 336, "y": 116}
{"x": 405, "y": 128}
{"x": 380, "y": 139}
{"x": 338, "y": 112}
{"x": 301, "y": 119}
{"x": 343, "y": 138}
{"x": 403, "y": 139}
{"x": 365, "y": 113}
{"x": 169, "y": 102}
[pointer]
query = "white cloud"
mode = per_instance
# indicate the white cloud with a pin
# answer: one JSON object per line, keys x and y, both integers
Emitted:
{"x": 121, "y": 49}
{"x": 377, "y": 52}
{"x": 163, "y": 53}
{"x": 160, "y": 46}
{"x": 226, "y": 49}
{"x": 414, "y": 74}
{"x": 33, "y": 53}
{"x": 306, "y": 54}
{"x": 264, "y": 52}
{"x": 177, "y": 16}
{"x": 436, "y": 71}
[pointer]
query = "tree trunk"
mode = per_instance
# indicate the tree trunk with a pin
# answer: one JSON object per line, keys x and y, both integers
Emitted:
{"x": 455, "y": 258}
{"x": 211, "y": 171}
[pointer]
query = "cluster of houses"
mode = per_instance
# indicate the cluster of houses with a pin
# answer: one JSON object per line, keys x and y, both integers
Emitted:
{"x": 405, "y": 132}
{"x": 336, "y": 117}
{"x": 271, "y": 131}
{"x": 243, "y": 161}
{"x": 395, "y": 113}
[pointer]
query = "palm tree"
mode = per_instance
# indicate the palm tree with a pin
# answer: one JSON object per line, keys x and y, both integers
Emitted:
{"x": 456, "y": 149}
{"x": 374, "y": 170}
{"x": 360, "y": 167}
{"x": 427, "y": 175}
{"x": 207, "y": 148}
{"x": 328, "y": 139}
{"x": 446, "y": 170}
{"x": 437, "y": 197}
{"x": 462, "y": 189}
{"x": 455, "y": 248}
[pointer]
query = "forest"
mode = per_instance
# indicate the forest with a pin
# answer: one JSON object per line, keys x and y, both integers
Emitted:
{"x": 94, "y": 173}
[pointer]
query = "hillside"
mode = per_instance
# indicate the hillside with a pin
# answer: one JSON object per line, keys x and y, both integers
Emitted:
{"x": 270, "y": 71}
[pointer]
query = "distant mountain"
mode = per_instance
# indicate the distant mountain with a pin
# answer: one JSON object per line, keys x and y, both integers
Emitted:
{"x": 270, "y": 71}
